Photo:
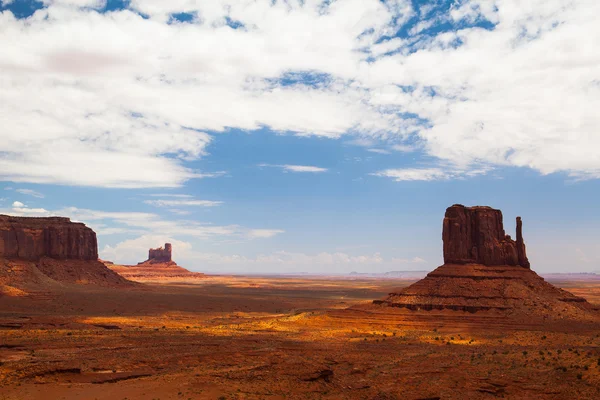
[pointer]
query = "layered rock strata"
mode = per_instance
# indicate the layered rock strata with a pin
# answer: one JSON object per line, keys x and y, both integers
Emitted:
{"x": 161, "y": 254}
{"x": 484, "y": 269}
{"x": 476, "y": 235}
{"x": 55, "y": 237}
{"x": 44, "y": 253}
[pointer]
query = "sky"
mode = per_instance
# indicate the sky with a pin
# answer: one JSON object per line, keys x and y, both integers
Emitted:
{"x": 268, "y": 136}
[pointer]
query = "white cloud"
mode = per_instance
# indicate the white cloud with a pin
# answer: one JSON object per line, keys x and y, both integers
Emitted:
{"x": 296, "y": 168}
{"x": 263, "y": 233}
{"x": 19, "y": 208}
{"x": 181, "y": 203}
{"x": 77, "y": 3}
{"x": 30, "y": 192}
{"x": 82, "y": 97}
{"x": 179, "y": 212}
{"x": 429, "y": 174}
{"x": 184, "y": 196}
{"x": 403, "y": 148}
{"x": 378, "y": 151}
{"x": 110, "y": 222}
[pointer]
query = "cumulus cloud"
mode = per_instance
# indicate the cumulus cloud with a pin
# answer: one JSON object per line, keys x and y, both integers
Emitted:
{"x": 80, "y": 88}
{"x": 22, "y": 209}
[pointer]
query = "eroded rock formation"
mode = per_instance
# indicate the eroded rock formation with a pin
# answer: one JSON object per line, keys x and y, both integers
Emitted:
{"x": 161, "y": 254}
{"x": 158, "y": 267}
{"x": 485, "y": 270}
{"x": 476, "y": 235}
{"x": 41, "y": 254}
{"x": 55, "y": 237}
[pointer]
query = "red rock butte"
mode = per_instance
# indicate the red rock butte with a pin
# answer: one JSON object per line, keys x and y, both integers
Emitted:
{"x": 39, "y": 253}
{"x": 476, "y": 235}
{"x": 160, "y": 255}
{"x": 55, "y": 237}
{"x": 158, "y": 267}
{"x": 484, "y": 269}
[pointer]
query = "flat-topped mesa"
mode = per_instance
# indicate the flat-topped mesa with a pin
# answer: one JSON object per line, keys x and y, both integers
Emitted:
{"x": 162, "y": 254}
{"x": 476, "y": 235}
{"x": 31, "y": 239}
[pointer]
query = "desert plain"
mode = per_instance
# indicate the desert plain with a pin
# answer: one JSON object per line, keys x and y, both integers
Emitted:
{"x": 284, "y": 337}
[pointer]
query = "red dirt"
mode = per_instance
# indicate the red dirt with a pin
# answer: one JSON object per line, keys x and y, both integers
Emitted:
{"x": 267, "y": 337}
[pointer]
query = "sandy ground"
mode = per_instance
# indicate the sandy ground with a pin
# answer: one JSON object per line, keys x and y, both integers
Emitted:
{"x": 282, "y": 338}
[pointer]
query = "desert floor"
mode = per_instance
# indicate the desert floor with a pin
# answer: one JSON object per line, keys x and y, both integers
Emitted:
{"x": 282, "y": 338}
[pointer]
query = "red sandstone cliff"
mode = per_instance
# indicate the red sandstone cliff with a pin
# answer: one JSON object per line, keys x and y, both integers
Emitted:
{"x": 55, "y": 237}
{"x": 44, "y": 253}
{"x": 476, "y": 235}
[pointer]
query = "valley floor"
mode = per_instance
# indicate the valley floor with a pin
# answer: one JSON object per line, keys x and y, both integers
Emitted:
{"x": 282, "y": 338}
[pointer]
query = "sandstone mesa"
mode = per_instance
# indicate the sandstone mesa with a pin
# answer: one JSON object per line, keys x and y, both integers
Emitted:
{"x": 39, "y": 253}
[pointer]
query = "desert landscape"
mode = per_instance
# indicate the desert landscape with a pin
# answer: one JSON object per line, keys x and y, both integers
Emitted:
{"x": 481, "y": 326}
{"x": 299, "y": 199}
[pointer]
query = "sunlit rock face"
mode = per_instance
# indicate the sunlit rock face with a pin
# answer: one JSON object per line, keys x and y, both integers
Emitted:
{"x": 476, "y": 235}
{"x": 31, "y": 239}
{"x": 485, "y": 270}
{"x": 160, "y": 255}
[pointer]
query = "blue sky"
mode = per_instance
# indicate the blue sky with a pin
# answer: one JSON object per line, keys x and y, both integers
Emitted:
{"x": 303, "y": 136}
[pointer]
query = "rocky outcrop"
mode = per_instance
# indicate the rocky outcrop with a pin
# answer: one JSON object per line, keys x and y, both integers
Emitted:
{"x": 41, "y": 255}
{"x": 485, "y": 270}
{"x": 31, "y": 239}
{"x": 476, "y": 235}
{"x": 159, "y": 267}
{"x": 160, "y": 255}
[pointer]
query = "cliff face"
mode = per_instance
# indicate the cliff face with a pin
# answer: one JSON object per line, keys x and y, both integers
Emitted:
{"x": 160, "y": 255}
{"x": 476, "y": 235}
{"x": 485, "y": 270}
{"x": 55, "y": 237}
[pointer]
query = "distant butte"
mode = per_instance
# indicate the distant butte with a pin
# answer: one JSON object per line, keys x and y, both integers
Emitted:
{"x": 160, "y": 255}
{"x": 484, "y": 269}
{"x": 158, "y": 267}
